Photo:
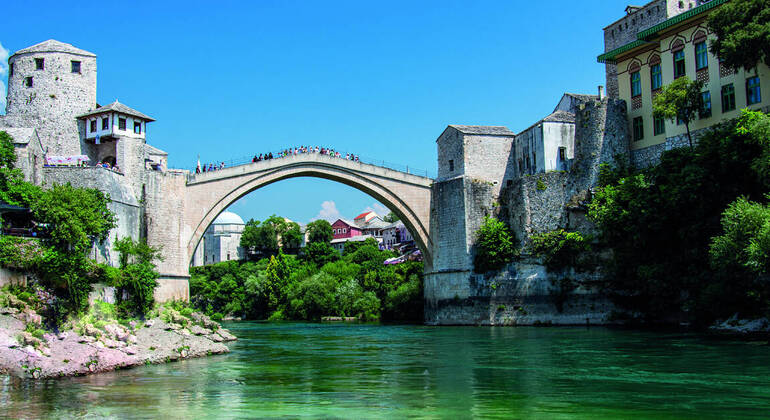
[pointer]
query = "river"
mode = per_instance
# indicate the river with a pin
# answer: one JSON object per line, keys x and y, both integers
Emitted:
{"x": 397, "y": 371}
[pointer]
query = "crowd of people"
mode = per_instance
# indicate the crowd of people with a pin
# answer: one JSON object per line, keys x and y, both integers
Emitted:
{"x": 302, "y": 150}
{"x": 210, "y": 167}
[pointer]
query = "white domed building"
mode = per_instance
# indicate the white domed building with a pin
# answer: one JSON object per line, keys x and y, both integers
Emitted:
{"x": 222, "y": 241}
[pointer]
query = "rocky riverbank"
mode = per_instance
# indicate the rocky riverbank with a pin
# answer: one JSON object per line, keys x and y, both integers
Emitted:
{"x": 92, "y": 345}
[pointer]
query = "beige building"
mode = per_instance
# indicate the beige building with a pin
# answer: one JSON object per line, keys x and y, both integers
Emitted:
{"x": 662, "y": 49}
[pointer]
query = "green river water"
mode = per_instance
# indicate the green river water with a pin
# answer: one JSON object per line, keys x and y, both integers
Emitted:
{"x": 401, "y": 371}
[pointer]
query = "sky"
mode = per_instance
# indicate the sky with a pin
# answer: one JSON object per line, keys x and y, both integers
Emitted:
{"x": 228, "y": 80}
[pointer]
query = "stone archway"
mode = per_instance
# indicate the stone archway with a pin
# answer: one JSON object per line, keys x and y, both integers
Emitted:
{"x": 178, "y": 217}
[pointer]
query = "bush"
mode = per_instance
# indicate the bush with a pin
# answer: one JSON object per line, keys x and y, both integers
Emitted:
{"x": 560, "y": 249}
{"x": 494, "y": 246}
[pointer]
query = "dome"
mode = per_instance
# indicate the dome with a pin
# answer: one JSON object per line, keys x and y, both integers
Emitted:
{"x": 228, "y": 218}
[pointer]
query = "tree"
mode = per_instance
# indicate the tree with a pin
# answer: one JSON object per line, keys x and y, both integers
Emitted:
{"x": 320, "y": 253}
{"x": 680, "y": 100}
{"x": 742, "y": 28}
{"x": 77, "y": 216}
{"x": 494, "y": 246}
{"x": 261, "y": 237}
{"x": 391, "y": 218}
{"x": 138, "y": 275}
{"x": 13, "y": 189}
{"x": 291, "y": 238}
{"x": 319, "y": 231}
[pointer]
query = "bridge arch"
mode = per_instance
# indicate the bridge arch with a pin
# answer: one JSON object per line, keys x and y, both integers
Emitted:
{"x": 406, "y": 195}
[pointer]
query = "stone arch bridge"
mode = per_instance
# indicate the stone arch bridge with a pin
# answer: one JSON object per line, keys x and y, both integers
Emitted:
{"x": 178, "y": 217}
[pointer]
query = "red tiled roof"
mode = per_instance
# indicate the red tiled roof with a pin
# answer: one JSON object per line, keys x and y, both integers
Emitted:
{"x": 362, "y": 215}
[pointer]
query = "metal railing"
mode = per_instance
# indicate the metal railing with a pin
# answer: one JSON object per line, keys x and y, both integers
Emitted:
{"x": 247, "y": 160}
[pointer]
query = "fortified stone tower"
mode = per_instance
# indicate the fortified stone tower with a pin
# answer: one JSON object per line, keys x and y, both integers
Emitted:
{"x": 49, "y": 85}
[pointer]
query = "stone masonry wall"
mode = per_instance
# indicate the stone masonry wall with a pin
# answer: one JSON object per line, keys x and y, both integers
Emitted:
{"x": 54, "y": 101}
{"x": 164, "y": 201}
{"x": 525, "y": 292}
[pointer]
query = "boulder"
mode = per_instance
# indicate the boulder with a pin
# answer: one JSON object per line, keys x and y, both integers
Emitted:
{"x": 226, "y": 335}
{"x": 204, "y": 321}
{"x": 27, "y": 339}
{"x": 198, "y": 330}
{"x": 173, "y": 327}
{"x": 92, "y": 331}
{"x": 149, "y": 323}
{"x": 62, "y": 335}
{"x": 9, "y": 311}
{"x": 129, "y": 350}
{"x": 113, "y": 343}
{"x": 216, "y": 338}
{"x": 117, "y": 332}
{"x": 86, "y": 339}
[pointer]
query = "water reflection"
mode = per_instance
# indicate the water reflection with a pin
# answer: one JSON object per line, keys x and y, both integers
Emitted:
{"x": 371, "y": 371}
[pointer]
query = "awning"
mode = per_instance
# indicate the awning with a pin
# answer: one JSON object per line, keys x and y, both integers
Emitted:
{"x": 66, "y": 160}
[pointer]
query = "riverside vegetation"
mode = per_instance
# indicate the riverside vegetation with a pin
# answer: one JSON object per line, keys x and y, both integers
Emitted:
{"x": 47, "y": 327}
{"x": 319, "y": 282}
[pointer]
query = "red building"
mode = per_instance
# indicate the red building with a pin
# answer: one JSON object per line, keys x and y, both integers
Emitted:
{"x": 345, "y": 229}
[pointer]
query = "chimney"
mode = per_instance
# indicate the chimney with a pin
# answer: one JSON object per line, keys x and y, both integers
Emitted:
{"x": 601, "y": 92}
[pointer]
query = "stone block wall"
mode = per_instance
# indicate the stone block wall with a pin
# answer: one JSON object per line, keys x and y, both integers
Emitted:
{"x": 55, "y": 99}
{"x": 164, "y": 200}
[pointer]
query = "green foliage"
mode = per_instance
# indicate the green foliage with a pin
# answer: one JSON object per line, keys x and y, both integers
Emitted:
{"x": 353, "y": 246}
{"x": 742, "y": 29}
{"x": 659, "y": 224}
{"x": 138, "y": 275}
{"x": 77, "y": 216}
{"x": 741, "y": 255}
{"x": 681, "y": 99}
{"x": 320, "y": 253}
{"x": 262, "y": 237}
{"x": 540, "y": 185}
{"x": 282, "y": 287}
{"x": 13, "y": 189}
{"x": 391, "y": 217}
{"x": 561, "y": 249}
{"x": 494, "y": 246}
{"x": 291, "y": 238}
{"x": 319, "y": 231}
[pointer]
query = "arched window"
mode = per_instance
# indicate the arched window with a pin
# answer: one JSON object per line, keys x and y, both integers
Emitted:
{"x": 656, "y": 73}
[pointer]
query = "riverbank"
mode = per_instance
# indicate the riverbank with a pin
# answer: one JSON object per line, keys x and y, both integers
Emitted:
{"x": 28, "y": 352}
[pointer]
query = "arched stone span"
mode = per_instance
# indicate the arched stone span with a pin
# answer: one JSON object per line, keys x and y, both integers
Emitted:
{"x": 407, "y": 195}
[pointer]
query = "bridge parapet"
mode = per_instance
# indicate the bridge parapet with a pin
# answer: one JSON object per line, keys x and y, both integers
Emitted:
{"x": 279, "y": 162}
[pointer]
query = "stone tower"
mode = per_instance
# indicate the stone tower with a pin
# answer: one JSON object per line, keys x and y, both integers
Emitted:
{"x": 49, "y": 85}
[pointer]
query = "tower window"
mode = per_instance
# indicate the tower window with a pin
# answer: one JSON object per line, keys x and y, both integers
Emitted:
{"x": 562, "y": 154}
{"x": 105, "y": 123}
{"x": 28, "y": 82}
{"x": 121, "y": 123}
{"x": 10, "y": 70}
{"x": 76, "y": 66}
{"x": 93, "y": 126}
{"x": 451, "y": 165}
{"x": 137, "y": 127}
{"x": 39, "y": 64}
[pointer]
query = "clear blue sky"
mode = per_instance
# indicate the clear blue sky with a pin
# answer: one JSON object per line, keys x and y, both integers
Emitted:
{"x": 228, "y": 79}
